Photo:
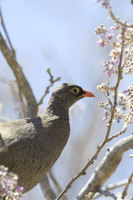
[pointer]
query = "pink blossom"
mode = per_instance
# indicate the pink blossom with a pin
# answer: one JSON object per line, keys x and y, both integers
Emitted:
{"x": 109, "y": 72}
{"x": 106, "y": 3}
{"x": 110, "y": 35}
{"x": 106, "y": 116}
{"x": 125, "y": 91}
{"x": 113, "y": 28}
{"x": 119, "y": 37}
{"x": 19, "y": 189}
{"x": 116, "y": 60}
{"x": 103, "y": 36}
{"x": 101, "y": 42}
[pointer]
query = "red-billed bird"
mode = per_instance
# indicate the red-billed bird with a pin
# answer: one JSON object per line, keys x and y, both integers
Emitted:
{"x": 39, "y": 141}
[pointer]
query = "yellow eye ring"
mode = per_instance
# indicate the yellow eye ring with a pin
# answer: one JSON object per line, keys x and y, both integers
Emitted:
{"x": 75, "y": 90}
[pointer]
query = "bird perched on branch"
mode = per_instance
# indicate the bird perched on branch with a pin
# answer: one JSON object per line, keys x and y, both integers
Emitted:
{"x": 38, "y": 142}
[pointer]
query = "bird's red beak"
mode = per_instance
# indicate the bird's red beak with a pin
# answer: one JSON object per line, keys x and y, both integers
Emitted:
{"x": 87, "y": 94}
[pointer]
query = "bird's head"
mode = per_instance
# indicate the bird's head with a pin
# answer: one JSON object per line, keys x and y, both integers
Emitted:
{"x": 69, "y": 93}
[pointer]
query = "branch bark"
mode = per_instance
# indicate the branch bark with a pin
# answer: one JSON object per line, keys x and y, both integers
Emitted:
{"x": 6, "y": 33}
{"x": 46, "y": 188}
{"x": 124, "y": 193}
{"x": 23, "y": 84}
{"x": 107, "y": 167}
{"x": 27, "y": 93}
{"x": 113, "y": 186}
{"x": 109, "y": 125}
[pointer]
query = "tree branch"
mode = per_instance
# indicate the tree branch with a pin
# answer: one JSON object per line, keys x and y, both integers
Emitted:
{"x": 126, "y": 187}
{"x": 48, "y": 193}
{"x": 57, "y": 186}
{"x": 107, "y": 167}
{"x": 113, "y": 186}
{"x": 24, "y": 91}
{"x": 117, "y": 20}
{"x": 23, "y": 84}
{"x": 7, "y": 35}
{"x": 107, "y": 194}
{"x": 109, "y": 125}
{"x": 52, "y": 81}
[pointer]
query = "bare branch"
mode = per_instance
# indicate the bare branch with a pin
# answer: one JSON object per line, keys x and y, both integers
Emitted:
{"x": 113, "y": 186}
{"x": 107, "y": 194}
{"x": 24, "y": 86}
{"x": 25, "y": 91}
{"x": 117, "y": 20}
{"x": 107, "y": 166}
{"x": 7, "y": 35}
{"x": 119, "y": 133}
{"x": 57, "y": 186}
{"x": 109, "y": 125}
{"x": 52, "y": 81}
{"x": 46, "y": 189}
{"x": 126, "y": 187}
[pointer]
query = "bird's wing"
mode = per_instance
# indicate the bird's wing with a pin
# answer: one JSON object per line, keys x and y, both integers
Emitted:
{"x": 20, "y": 135}
{"x": 12, "y": 134}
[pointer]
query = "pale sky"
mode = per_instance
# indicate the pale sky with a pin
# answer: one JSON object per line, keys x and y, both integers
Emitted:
{"x": 60, "y": 34}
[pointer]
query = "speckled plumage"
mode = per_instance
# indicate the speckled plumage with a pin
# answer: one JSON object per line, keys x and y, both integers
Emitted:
{"x": 40, "y": 140}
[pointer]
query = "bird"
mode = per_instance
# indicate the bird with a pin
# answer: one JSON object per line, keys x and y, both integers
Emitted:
{"x": 38, "y": 142}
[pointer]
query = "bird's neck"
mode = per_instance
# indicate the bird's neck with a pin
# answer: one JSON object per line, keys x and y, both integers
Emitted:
{"x": 56, "y": 107}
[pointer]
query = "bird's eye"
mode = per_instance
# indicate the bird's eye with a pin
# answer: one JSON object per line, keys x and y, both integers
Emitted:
{"x": 75, "y": 90}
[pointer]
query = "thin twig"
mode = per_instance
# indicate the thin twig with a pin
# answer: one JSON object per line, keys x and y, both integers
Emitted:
{"x": 109, "y": 99}
{"x": 7, "y": 35}
{"x": 117, "y": 20}
{"x": 113, "y": 186}
{"x": 24, "y": 85}
{"x": 124, "y": 193}
{"x": 25, "y": 89}
{"x": 119, "y": 77}
{"x": 52, "y": 81}
{"x": 107, "y": 166}
{"x": 106, "y": 193}
{"x": 119, "y": 133}
{"x": 109, "y": 125}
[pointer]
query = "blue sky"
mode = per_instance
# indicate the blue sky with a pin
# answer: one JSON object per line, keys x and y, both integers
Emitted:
{"x": 59, "y": 34}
